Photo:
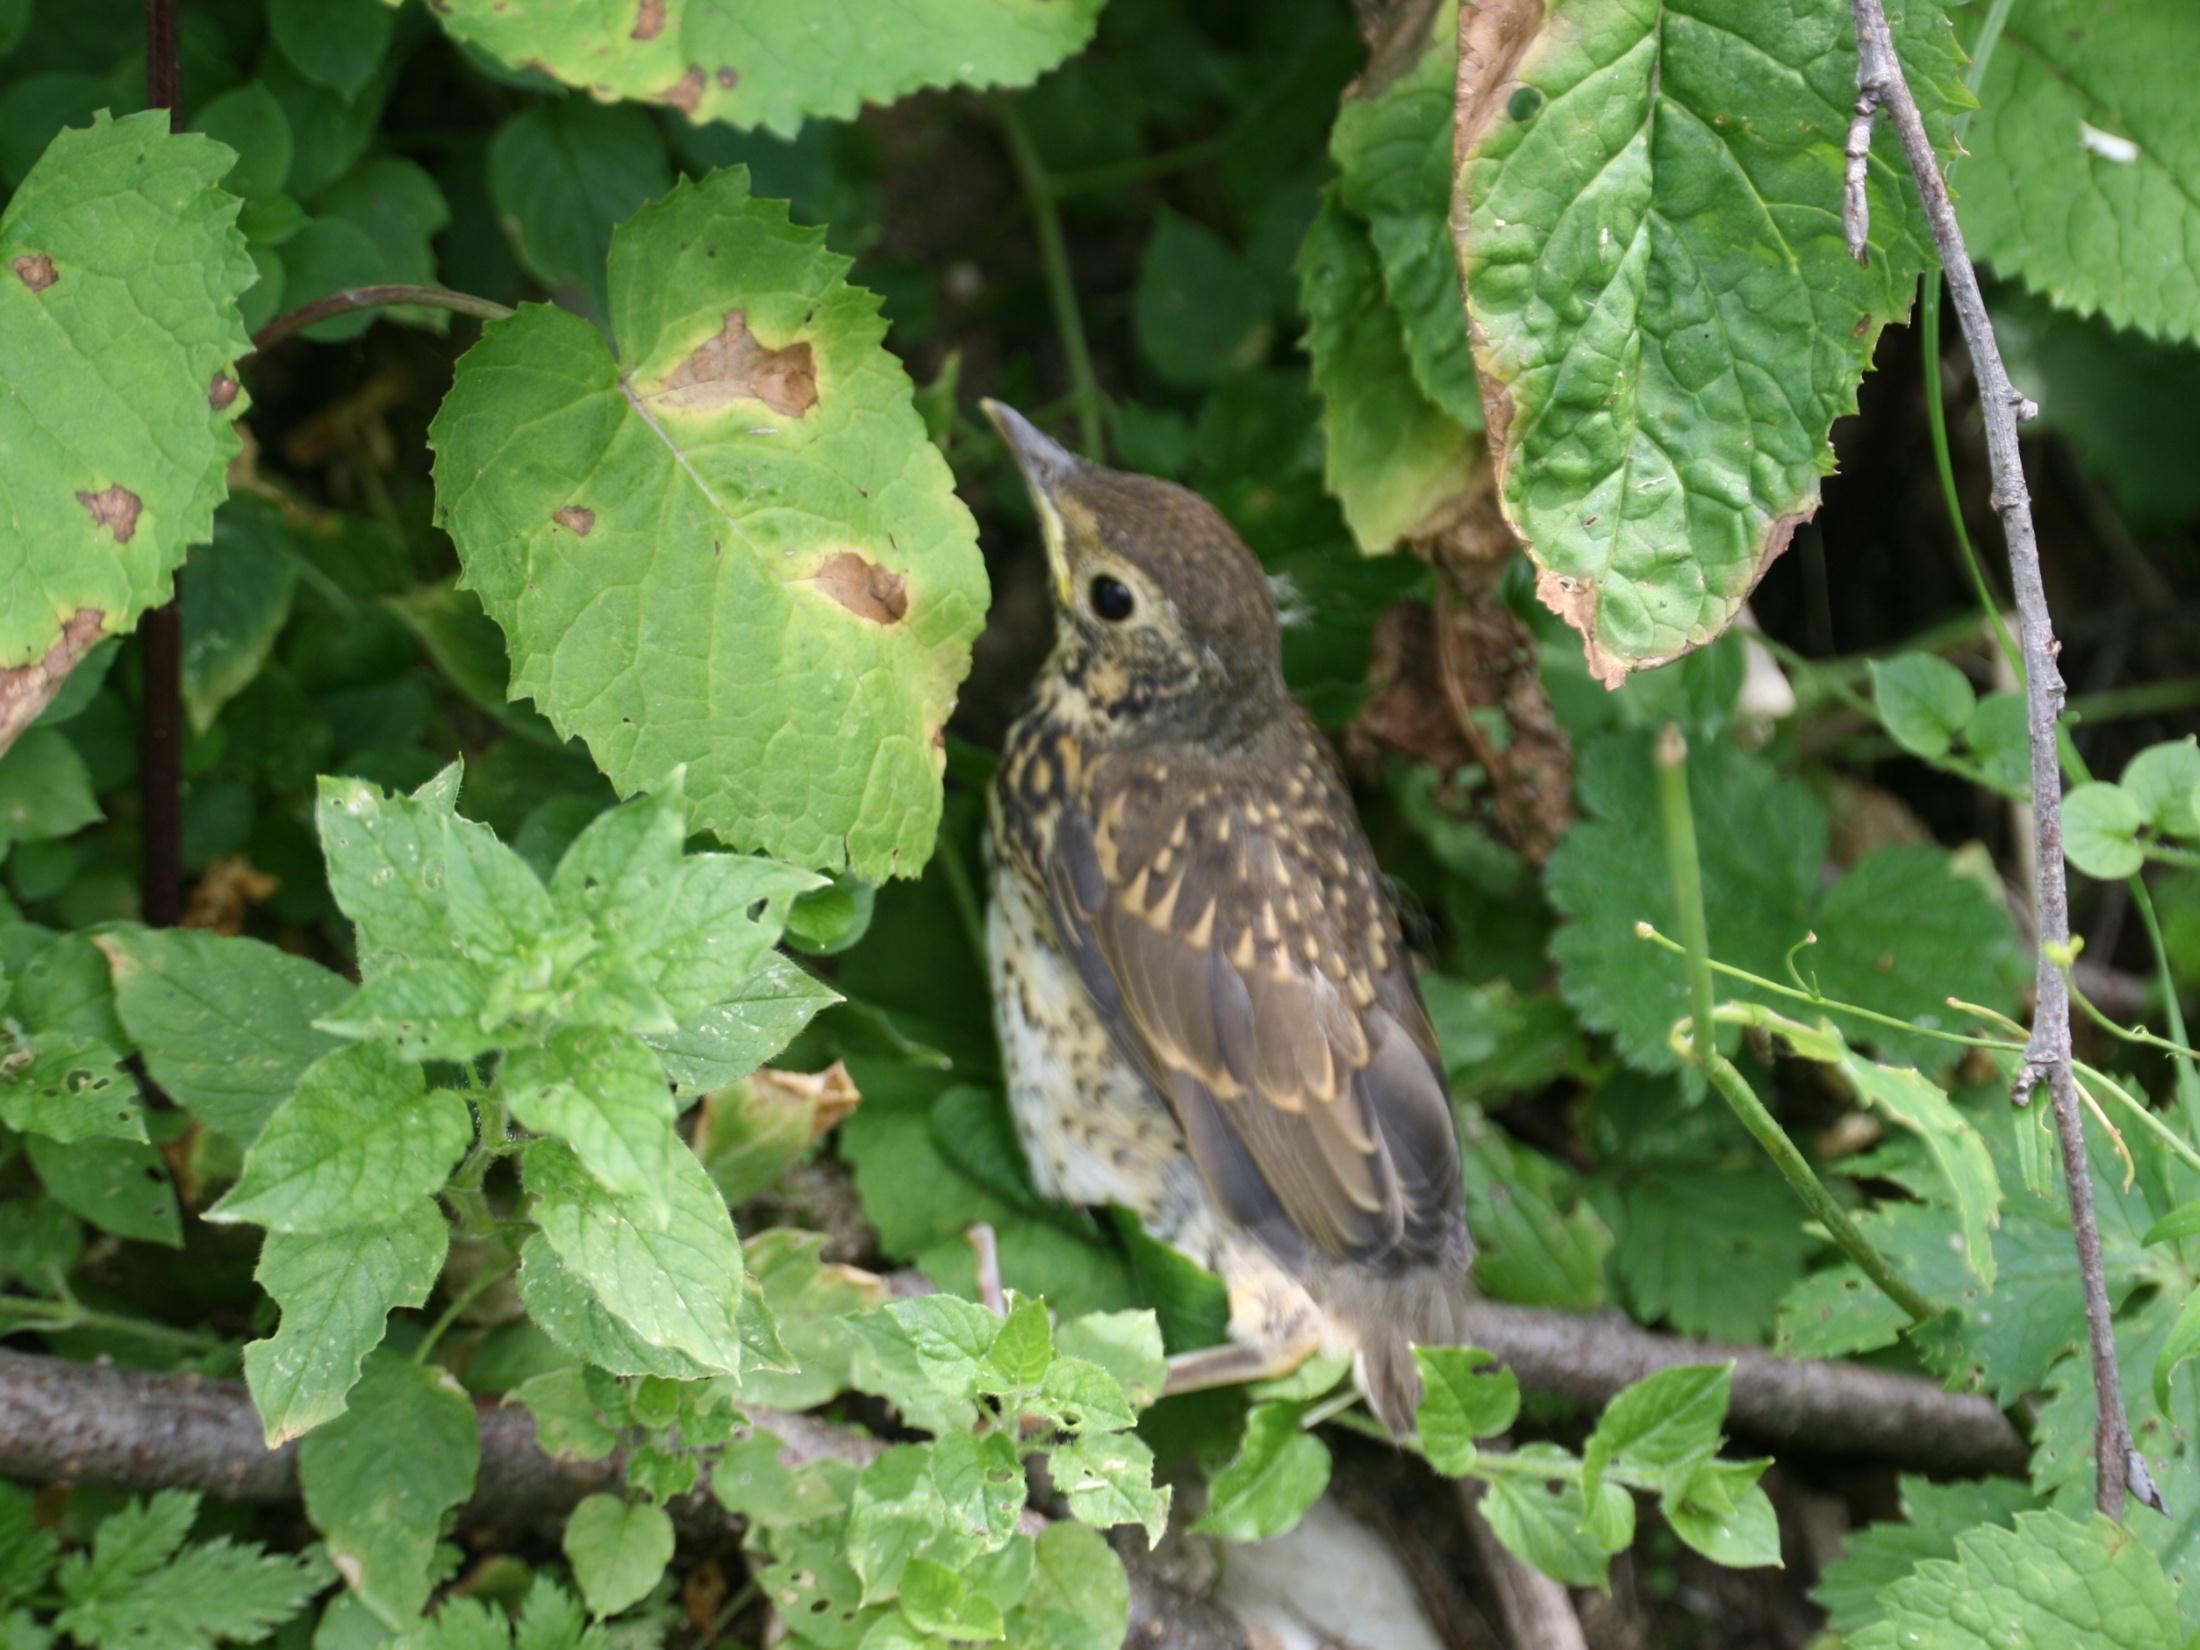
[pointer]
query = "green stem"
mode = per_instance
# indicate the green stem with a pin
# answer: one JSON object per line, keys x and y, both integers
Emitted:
{"x": 2141, "y": 1111}
{"x": 1687, "y": 874}
{"x": 2188, "y": 1078}
{"x": 965, "y": 895}
{"x": 2133, "y": 1034}
{"x": 479, "y": 1285}
{"x": 1703, "y": 1051}
{"x": 463, "y": 1191}
{"x": 58, "y": 1317}
{"x": 2143, "y": 699}
{"x": 2166, "y": 855}
{"x": 1069, "y": 324}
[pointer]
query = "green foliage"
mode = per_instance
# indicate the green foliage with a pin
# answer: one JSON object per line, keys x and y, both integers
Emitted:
{"x": 2084, "y": 111}
{"x": 124, "y": 267}
{"x": 482, "y": 1062}
{"x": 1687, "y": 176}
{"x": 144, "y": 1586}
{"x": 755, "y": 482}
{"x": 764, "y": 65}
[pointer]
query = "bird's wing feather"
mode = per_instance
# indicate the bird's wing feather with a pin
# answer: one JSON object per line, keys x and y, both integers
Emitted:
{"x": 1235, "y": 936}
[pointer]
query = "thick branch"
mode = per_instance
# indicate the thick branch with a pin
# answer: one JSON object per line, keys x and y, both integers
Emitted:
{"x": 2047, "y": 1056}
{"x": 1824, "y": 1408}
{"x": 141, "y": 1431}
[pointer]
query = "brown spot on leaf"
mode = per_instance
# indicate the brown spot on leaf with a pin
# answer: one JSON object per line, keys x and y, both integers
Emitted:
{"x": 734, "y": 365}
{"x": 114, "y": 508}
{"x": 222, "y": 392}
{"x": 1493, "y": 37}
{"x": 576, "y": 519}
{"x": 864, "y": 588}
{"x": 728, "y": 76}
{"x": 26, "y": 690}
{"x": 686, "y": 93}
{"x": 649, "y": 20}
{"x": 35, "y": 270}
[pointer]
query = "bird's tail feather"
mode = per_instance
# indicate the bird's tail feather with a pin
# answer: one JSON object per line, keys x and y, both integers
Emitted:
{"x": 1420, "y": 1306}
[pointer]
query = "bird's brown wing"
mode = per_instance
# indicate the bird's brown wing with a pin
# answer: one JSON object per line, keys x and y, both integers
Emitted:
{"x": 1236, "y": 937}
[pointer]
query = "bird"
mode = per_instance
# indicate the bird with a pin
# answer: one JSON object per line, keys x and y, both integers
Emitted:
{"x": 1206, "y": 1008}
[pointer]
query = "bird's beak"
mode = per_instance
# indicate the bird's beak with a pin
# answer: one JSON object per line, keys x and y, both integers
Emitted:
{"x": 1047, "y": 466}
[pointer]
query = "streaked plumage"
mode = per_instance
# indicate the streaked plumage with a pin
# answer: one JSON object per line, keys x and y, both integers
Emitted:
{"x": 1207, "y": 1009}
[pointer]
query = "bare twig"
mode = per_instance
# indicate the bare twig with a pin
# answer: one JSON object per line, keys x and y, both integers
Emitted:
{"x": 985, "y": 1251}
{"x": 2047, "y": 1056}
{"x": 27, "y": 690}
{"x": 142, "y": 1431}
{"x": 395, "y": 295}
{"x": 160, "y": 634}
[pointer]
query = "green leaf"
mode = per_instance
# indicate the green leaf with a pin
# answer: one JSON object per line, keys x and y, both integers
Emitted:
{"x": 731, "y": 1039}
{"x": 1657, "y": 1431}
{"x": 1107, "y": 1478}
{"x": 380, "y": 1479}
{"x": 568, "y": 1423}
{"x": 2182, "y": 1342}
{"x": 1709, "y": 1251}
{"x": 946, "y": 1336}
{"x": 1536, "y": 1240}
{"x": 120, "y": 271}
{"x": 813, "y": 1303}
{"x": 1125, "y": 1344}
{"x": 2161, "y": 781}
{"x": 669, "y": 1269}
{"x": 1546, "y": 1524}
{"x": 361, "y": 1141}
{"x": 2079, "y": 168}
{"x": 1017, "y": 1360}
{"x": 120, "y": 1186}
{"x": 1079, "y": 1597}
{"x": 1933, "y": 1517}
{"x": 337, "y": 1290}
{"x": 603, "y": 1094}
{"x": 68, "y": 1088}
{"x": 2181, "y": 1222}
{"x": 1278, "y": 1472}
{"x": 896, "y": 1513}
{"x": 376, "y": 225}
{"x": 333, "y": 43}
{"x": 1722, "y": 1513}
{"x": 225, "y": 1024}
{"x": 1198, "y": 311}
{"x": 45, "y": 789}
{"x": 1957, "y": 1151}
{"x": 2000, "y": 736}
{"x": 563, "y": 175}
{"x": 1393, "y": 461}
{"x": 1393, "y": 151}
{"x": 766, "y": 525}
{"x": 1466, "y": 1394}
{"x": 2049, "y": 1583}
{"x": 1668, "y": 320}
{"x": 27, "y": 1549}
{"x": 240, "y": 595}
{"x": 568, "y": 1311}
{"x": 249, "y": 121}
{"x": 980, "y": 1479}
{"x": 777, "y": 64}
{"x": 2101, "y": 825}
{"x": 937, "y": 1601}
{"x": 1924, "y": 701}
{"x": 618, "y": 1550}
{"x": 141, "y": 1588}
{"x": 1081, "y": 1397}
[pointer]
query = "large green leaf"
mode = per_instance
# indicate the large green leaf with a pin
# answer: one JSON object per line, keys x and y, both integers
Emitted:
{"x": 1393, "y": 460}
{"x": 1666, "y": 317}
{"x": 1393, "y": 148}
{"x": 2083, "y": 176}
{"x": 2050, "y": 1583}
{"x": 120, "y": 271}
{"x": 379, "y": 1480}
{"x": 731, "y": 546}
{"x": 337, "y": 1290}
{"x": 775, "y": 62}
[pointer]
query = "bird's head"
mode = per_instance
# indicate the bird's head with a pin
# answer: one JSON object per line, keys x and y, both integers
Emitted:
{"x": 1162, "y": 613}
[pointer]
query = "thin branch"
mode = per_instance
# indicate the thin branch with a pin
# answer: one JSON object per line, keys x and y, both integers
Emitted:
{"x": 1539, "y": 1612}
{"x": 1069, "y": 323}
{"x": 394, "y": 295}
{"x": 160, "y": 634}
{"x": 27, "y": 690}
{"x": 143, "y": 1431}
{"x": 2047, "y": 1057}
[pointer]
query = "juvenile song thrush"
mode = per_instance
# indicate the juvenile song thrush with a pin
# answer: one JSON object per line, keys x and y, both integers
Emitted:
{"x": 1206, "y": 1009}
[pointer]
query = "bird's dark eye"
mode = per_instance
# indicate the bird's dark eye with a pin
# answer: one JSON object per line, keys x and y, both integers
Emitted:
{"x": 1111, "y": 599}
